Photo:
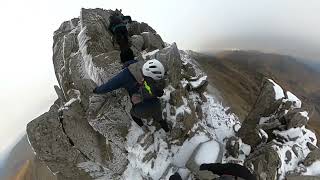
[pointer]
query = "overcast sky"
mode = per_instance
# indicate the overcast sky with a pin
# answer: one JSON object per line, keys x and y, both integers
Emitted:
{"x": 27, "y": 76}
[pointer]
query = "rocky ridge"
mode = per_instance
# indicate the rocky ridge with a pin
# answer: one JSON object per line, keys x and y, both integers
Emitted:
{"x": 87, "y": 136}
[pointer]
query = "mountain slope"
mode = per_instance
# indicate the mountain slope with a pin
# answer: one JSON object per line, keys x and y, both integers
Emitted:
{"x": 19, "y": 154}
{"x": 238, "y": 75}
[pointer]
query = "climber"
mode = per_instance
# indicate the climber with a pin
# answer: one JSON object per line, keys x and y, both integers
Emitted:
{"x": 119, "y": 31}
{"x": 229, "y": 171}
{"x": 144, "y": 83}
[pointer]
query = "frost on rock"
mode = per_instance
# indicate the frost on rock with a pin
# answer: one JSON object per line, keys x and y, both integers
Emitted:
{"x": 90, "y": 136}
{"x": 153, "y": 155}
{"x": 293, "y": 149}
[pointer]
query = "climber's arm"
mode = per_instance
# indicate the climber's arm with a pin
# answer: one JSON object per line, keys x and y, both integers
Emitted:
{"x": 116, "y": 82}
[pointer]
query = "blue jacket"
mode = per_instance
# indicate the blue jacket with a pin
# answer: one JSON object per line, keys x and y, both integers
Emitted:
{"x": 128, "y": 79}
{"x": 122, "y": 80}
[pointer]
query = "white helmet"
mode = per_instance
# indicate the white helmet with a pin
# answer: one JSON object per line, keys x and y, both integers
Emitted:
{"x": 154, "y": 69}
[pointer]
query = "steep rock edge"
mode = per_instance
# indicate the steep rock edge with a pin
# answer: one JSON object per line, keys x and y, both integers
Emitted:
{"x": 85, "y": 136}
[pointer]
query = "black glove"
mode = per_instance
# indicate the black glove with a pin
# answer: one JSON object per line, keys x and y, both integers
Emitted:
{"x": 164, "y": 125}
{"x": 94, "y": 90}
{"x": 175, "y": 176}
{"x": 204, "y": 167}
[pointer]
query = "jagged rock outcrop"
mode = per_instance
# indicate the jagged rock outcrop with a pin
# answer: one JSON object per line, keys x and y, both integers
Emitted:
{"x": 84, "y": 136}
{"x": 275, "y": 128}
{"x": 87, "y": 136}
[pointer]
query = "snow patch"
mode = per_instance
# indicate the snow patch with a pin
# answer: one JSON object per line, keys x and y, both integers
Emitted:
{"x": 208, "y": 152}
{"x": 278, "y": 90}
{"x": 197, "y": 83}
{"x": 185, "y": 151}
{"x": 305, "y": 114}
{"x": 145, "y": 55}
{"x": 313, "y": 169}
{"x": 296, "y": 101}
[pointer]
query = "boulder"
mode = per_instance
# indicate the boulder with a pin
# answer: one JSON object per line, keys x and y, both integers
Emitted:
{"x": 136, "y": 28}
{"x": 188, "y": 71}
{"x": 53, "y": 146}
{"x": 311, "y": 146}
{"x": 265, "y": 162}
{"x": 233, "y": 146}
{"x": 137, "y": 42}
{"x": 170, "y": 57}
{"x": 89, "y": 142}
{"x": 176, "y": 97}
{"x": 152, "y": 41}
{"x": 312, "y": 157}
{"x": 288, "y": 156}
{"x": 294, "y": 119}
{"x": 265, "y": 106}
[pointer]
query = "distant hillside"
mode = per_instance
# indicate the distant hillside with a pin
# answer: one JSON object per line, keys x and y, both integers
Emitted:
{"x": 18, "y": 156}
{"x": 314, "y": 65}
{"x": 22, "y": 164}
{"x": 238, "y": 74}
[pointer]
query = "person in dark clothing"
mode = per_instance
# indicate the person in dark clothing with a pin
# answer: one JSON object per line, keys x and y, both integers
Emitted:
{"x": 229, "y": 171}
{"x": 126, "y": 55}
{"x": 119, "y": 31}
{"x": 143, "y": 82}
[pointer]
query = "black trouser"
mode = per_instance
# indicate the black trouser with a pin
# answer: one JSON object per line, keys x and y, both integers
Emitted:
{"x": 229, "y": 169}
{"x": 146, "y": 109}
{"x": 121, "y": 37}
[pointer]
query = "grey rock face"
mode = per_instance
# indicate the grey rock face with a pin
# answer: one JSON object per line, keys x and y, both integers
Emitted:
{"x": 74, "y": 131}
{"x": 152, "y": 41}
{"x": 82, "y": 135}
{"x": 188, "y": 71}
{"x": 137, "y": 44}
{"x": 136, "y": 28}
{"x": 311, "y": 146}
{"x": 233, "y": 146}
{"x": 266, "y": 105}
{"x": 176, "y": 97}
{"x": 288, "y": 157}
{"x": 265, "y": 161}
{"x": 170, "y": 57}
{"x": 295, "y": 119}
{"x": 94, "y": 23}
{"x": 48, "y": 138}
{"x": 312, "y": 157}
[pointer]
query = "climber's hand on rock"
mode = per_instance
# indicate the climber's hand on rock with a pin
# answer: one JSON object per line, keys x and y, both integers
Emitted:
{"x": 94, "y": 90}
{"x": 136, "y": 99}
